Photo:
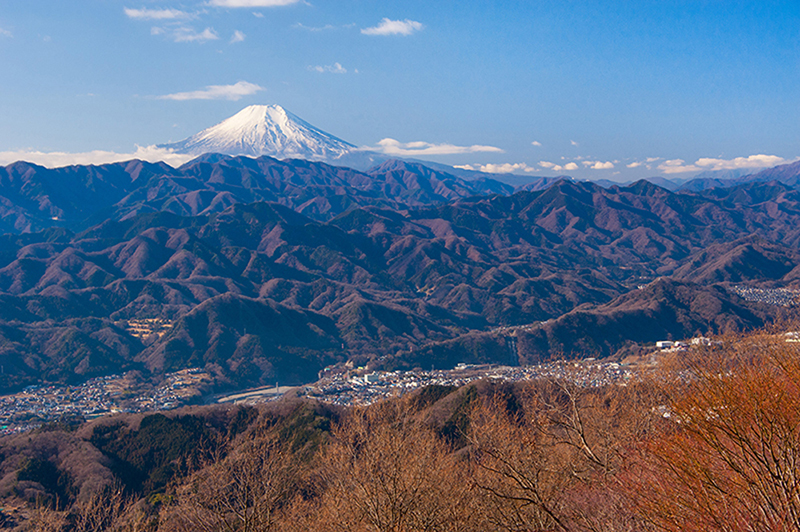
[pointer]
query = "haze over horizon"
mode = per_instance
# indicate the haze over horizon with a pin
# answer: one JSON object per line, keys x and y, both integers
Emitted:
{"x": 605, "y": 90}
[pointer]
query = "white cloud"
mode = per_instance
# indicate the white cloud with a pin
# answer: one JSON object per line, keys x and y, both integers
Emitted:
{"x": 156, "y": 14}
{"x": 557, "y": 167}
{"x": 676, "y": 166}
{"x": 57, "y": 159}
{"x": 551, "y": 166}
{"x": 258, "y": 15}
{"x": 190, "y": 35}
{"x": 506, "y": 168}
{"x": 573, "y": 143}
{"x": 394, "y": 147}
{"x": 536, "y": 143}
{"x": 252, "y": 3}
{"x": 599, "y": 165}
{"x": 6, "y": 33}
{"x": 238, "y": 36}
{"x": 335, "y": 68}
{"x": 646, "y": 163}
{"x": 233, "y": 92}
{"x": 753, "y": 161}
{"x": 394, "y": 27}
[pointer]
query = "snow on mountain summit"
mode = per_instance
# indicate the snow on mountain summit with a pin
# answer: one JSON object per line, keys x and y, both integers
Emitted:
{"x": 264, "y": 130}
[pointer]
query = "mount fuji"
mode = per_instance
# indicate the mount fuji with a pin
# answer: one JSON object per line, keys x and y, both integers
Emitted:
{"x": 267, "y": 130}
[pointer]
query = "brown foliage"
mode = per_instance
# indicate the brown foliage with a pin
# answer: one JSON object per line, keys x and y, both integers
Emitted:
{"x": 244, "y": 492}
{"x": 733, "y": 460}
{"x": 384, "y": 471}
{"x": 539, "y": 456}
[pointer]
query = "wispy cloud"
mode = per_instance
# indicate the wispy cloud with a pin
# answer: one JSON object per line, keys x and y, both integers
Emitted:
{"x": 678, "y": 166}
{"x": 157, "y": 14}
{"x": 394, "y": 27}
{"x": 57, "y": 159}
{"x": 536, "y": 143}
{"x": 238, "y": 36}
{"x": 191, "y": 35}
{"x": 647, "y": 163}
{"x": 394, "y": 147}
{"x": 301, "y": 26}
{"x": 505, "y": 168}
{"x": 335, "y": 68}
{"x": 598, "y": 165}
{"x": 573, "y": 143}
{"x": 233, "y": 92}
{"x": 5, "y": 33}
{"x": 252, "y": 3}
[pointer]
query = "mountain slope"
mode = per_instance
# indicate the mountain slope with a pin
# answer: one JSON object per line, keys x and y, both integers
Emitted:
{"x": 663, "y": 310}
{"x": 264, "y": 130}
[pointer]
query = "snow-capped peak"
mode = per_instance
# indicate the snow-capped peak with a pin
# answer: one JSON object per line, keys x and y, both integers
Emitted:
{"x": 264, "y": 130}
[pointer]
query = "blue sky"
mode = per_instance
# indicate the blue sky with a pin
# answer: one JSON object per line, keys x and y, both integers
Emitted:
{"x": 613, "y": 90}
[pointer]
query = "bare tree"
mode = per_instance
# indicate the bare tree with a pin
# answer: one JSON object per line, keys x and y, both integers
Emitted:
{"x": 243, "y": 493}
{"x": 387, "y": 472}
{"x": 553, "y": 463}
{"x": 103, "y": 511}
{"x": 45, "y": 519}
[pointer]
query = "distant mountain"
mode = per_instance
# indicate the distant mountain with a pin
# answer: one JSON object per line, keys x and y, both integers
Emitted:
{"x": 787, "y": 174}
{"x": 725, "y": 175}
{"x": 515, "y": 180}
{"x": 33, "y": 198}
{"x": 663, "y": 182}
{"x": 265, "y": 130}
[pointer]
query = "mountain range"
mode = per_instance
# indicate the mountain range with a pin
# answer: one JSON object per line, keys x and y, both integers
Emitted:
{"x": 415, "y": 268}
{"x": 33, "y": 197}
{"x": 271, "y": 130}
{"x": 261, "y": 269}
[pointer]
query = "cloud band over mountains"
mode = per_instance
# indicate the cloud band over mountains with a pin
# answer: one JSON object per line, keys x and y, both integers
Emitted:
{"x": 414, "y": 149}
{"x": 678, "y": 166}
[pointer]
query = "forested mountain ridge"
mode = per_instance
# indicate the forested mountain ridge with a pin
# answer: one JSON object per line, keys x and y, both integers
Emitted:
{"x": 33, "y": 198}
{"x": 372, "y": 281}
